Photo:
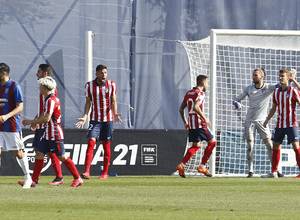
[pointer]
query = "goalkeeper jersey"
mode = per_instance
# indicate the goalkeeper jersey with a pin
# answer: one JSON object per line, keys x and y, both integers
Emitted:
{"x": 259, "y": 100}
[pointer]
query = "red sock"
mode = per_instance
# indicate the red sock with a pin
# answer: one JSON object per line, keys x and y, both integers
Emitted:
{"x": 297, "y": 152}
{"x": 189, "y": 154}
{"x": 107, "y": 154}
{"x": 71, "y": 167}
{"x": 55, "y": 164}
{"x": 38, "y": 166}
{"x": 207, "y": 152}
{"x": 275, "y": 160}
{"x": 89, "y": 155}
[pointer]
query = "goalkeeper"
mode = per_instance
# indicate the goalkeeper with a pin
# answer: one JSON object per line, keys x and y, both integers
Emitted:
{"x": 259, "y": 94}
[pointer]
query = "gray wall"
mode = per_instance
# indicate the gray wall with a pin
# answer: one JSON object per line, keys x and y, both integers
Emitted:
{"x": 151, "y": 69}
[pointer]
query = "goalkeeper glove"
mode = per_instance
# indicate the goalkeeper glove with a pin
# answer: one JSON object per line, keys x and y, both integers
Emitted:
{"x": 237, "y": 105}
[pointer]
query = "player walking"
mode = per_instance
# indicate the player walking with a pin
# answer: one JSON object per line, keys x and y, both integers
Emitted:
{"x": 101, "y": 95}
{"x": 197, "y": 126}
{"x": 259, "y": 94}
{"x": 285, "y": 99}
{"x": 53, "y": 137}
{"x": 43, "y": 71}
{"x": 11, "y": 105}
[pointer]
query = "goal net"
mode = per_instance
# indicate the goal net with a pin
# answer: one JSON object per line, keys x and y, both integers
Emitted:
{"x": 228, "y": 58}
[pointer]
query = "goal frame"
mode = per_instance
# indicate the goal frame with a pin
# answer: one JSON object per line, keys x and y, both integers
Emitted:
{"x": 213, "y": 60}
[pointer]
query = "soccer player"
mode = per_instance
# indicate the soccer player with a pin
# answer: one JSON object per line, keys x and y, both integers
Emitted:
{"x": 11, "y": 105}
{"x": 285, "y": 99}
{"x": 53, "y": 137}
{"x": 43, "y": 71}
{"x": 101, "y": 95}
{"x": 197, "y": 126}
{"x": 259, "y": 94}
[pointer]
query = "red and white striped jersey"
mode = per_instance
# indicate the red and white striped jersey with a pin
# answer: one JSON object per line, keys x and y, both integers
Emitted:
{"x": 41, "y": 106}
{"x": 100, "y": 96}
{"x": 190, "y": 98}
{"x": 53, "y": 130}
{"x": 286, "y": 101}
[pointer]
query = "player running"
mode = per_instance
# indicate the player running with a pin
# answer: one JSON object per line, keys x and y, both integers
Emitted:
{"x": 259, "y": 94}
{"x": 197, "y": 126}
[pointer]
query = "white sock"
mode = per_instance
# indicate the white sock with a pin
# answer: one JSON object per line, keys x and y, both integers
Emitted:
{"x": 24, "y": 165}
{"x": 250, "y": 155}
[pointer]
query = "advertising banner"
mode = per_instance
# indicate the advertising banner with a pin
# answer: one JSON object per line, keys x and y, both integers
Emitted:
{"x": 133, "y": 152}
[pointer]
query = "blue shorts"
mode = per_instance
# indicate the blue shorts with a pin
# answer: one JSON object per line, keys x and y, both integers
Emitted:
{"x": 37, "y": 137}
{"x": 49, "y": 146}
{"x": 291, "y": 132}
{"x": 102, "y": 131}
{"x": 200, "y": 134}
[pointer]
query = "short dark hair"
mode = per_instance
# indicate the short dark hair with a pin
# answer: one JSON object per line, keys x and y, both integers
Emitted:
{"x": 100, "y": 67}
{"x": 288, "y": 73}
{"x": 4, "y": 68}
{"x": 46, "y": 68}
{"x": 200, "y": 79}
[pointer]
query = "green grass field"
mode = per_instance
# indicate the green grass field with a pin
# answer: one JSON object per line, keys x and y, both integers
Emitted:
{"x": 153, "y": 197}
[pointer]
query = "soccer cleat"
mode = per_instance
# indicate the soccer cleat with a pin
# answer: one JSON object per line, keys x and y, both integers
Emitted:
{"x": 180, "y": 169}
{"x": 22, "y": 184}
{"x": 297, "y": 176}
{"x": 103, "y": 177}
{"x": 250, "y": 175}
{"x": 280, "y": 174}
{"x": 270, "y": 175}
{"x": 204, "y": 171}
{"x": 85, "y": 175}
{"x": 57, "y": 181}
{"x": 77, "y": 183}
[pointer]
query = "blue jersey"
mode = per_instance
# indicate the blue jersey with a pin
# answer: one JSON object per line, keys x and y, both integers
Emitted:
{"x": 10, "y": 95}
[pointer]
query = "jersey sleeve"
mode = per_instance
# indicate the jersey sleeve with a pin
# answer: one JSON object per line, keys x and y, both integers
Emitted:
{"x": 49, "y": 106}
{"x": 87, "y": 90}
{"x": 18, "y": 93}
{"x": 296, "y": 95}
{"x": 242, "y": 95}
{"x": 114, "y": 88}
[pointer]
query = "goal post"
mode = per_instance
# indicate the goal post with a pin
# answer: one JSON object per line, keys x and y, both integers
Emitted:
{"x": 228, "y": 57}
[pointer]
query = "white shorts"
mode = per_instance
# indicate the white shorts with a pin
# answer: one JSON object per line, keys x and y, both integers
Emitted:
{"x": 11, "y": 141}
{"x": 252, "y": 126}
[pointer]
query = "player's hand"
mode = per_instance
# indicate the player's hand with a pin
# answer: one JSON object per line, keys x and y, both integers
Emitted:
{"x": 237, "y": 105}
{"x": 265, "y": 123}
{"x": 80, "y": 123}
{"x": 3, "y": 119}
{"x": 117, "y": 118}
{"x": 208, "y": 123}
{"x": 33, "y": 127}
{"x": 187, "y": 127}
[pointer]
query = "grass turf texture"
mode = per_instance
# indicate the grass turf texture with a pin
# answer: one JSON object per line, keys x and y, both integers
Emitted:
{"x": 152, "y": 197}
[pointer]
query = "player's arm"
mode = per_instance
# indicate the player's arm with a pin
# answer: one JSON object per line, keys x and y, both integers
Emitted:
{"x": 114, "y": 108}
{"x": 293, "y": 78}
{"x": 237, "y": 100}
{"x": 270, "y": 115}
{"x": 200, "y": 112}
{"x": 12, "y": 113}
{"x": 45, "y": 118}
{"x": 87, "y": 106}
{"x": 182, "y": 114}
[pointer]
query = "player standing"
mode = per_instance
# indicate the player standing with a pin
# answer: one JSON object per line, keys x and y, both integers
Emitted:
{"x": 285, "y": 99}
{"x": 197, "y": 126}
{"x": 11, "y": 105}
{"x": 101, "y": 95}
{"x": 53, "y": 137}
{"x": 43, "y": 71}
{"x": 259, "y": 95}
